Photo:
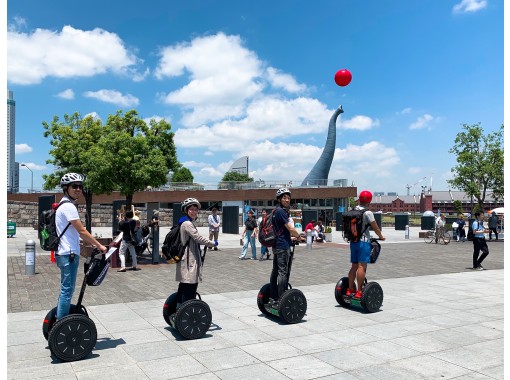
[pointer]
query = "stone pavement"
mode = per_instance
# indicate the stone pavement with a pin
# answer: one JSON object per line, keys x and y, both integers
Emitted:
{"x": 439, "y": 319}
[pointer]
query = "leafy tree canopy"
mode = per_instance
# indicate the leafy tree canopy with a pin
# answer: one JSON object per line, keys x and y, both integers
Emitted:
{"x": 182, "y": 175}
{"x": 480, "y": 163}
{"x": 236, "y": 177}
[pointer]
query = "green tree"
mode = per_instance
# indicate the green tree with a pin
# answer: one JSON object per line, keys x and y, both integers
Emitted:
{"x": 230, "y": 180}
{"x": 132, "y": 155}
{"x": 72, "y": 140}
{"x": 457, "y": 206}
{"x": 480, "y": 163}
{"x": 182, "y": 175}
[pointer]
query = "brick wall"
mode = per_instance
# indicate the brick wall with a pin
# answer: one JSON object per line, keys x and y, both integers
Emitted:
{"x": 25, "y": 214}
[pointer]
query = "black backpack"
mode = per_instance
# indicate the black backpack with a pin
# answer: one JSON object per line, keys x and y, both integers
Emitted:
{"x": 267, "y": 237}
{"x": 47, "y": 229}
{"x": 352, "y": 225}
{"x": 172, "y": 248}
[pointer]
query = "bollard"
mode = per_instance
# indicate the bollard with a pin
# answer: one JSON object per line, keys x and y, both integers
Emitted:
{"x": 309, "y": 240}
{"x": 30, "y": 257}
{"x": 407, "y": 231}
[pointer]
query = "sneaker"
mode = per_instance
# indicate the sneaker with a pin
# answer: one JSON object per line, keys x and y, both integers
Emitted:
{"x": 215, "y": 248}
{"x": 268, "y": 256}
{"x": 135, "y": 269}
{"x": 358, "y": 294}
{"x": 241, "y": 257}
{"x": 480, "y": 268}
{"x": 350, "y": 292}
{"x": 253, "y": 258}
{"x": 122, "y": 270}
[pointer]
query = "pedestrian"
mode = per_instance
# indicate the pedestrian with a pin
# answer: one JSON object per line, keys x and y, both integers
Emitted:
{"x": 283, "y": 229}
{"x": 461, "y": 232}
{"x": 493, "y": 225}
{"x": 188, "y": 271}
{"x": 214, "y": 222}
{"x": 311, "y": 226}
{"x": 263, "y": 249}
{"x": 68, "y": 255}
{"x": 479, "y": 243}
{"x": 440, "y": 223}
{"x": 249, "y": 235}
{"x": 127, "y": 227}
{"x": 360, "y": 250}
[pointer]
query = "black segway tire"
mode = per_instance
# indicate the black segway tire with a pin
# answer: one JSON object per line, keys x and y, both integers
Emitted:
{"x": 193, "y": 319}
{"x": 50, "y": 318}
{"x": 340, "y": 289}
{"x": 73, "y": 337}
{"x": 170, "y": 307}
{"x": 263, "y": 298}
{"x": 292, "y": 306}
{"x": 372, "y": 297}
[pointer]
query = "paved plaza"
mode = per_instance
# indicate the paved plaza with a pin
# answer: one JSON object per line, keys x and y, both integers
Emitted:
{"x": 439, "y": 318}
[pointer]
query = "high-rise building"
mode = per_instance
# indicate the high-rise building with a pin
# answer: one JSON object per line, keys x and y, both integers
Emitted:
{"x": 11, "y": 140}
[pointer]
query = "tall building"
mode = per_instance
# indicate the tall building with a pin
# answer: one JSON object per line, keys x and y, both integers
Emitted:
{"x": 11, "y": 140}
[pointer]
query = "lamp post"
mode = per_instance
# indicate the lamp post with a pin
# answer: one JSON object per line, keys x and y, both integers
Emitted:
{"x": 32, "y": 178}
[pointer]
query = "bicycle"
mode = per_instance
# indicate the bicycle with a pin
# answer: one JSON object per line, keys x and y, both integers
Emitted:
{"x": 443, "y": 238}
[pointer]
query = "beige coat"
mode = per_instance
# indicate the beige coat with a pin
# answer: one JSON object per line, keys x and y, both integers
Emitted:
{"x": 189, "y": 269}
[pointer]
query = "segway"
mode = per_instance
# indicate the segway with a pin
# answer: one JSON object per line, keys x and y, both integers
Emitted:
{"x": 292, "y": 304}
{"x": 372, "y": 296}
{"x": 73, "y": 337}
{"x": 192, "y": 318}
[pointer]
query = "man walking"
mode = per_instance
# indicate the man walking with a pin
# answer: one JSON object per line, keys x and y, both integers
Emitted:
{"x": 214, "y": 226}
{"x": 479, "y": 243}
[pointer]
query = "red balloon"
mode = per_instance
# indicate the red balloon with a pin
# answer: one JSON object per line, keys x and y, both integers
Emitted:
{"x": 343, "y": 77}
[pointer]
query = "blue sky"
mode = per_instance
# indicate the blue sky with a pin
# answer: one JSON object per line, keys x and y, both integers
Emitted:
{"x": 256, "y": 78}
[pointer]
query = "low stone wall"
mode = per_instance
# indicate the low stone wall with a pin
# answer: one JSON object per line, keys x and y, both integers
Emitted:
{"x": 25, "y": 214}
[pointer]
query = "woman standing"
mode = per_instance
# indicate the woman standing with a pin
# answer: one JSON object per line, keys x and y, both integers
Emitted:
{"x": 249, "y": 233}
{"x": 189, "y": 268}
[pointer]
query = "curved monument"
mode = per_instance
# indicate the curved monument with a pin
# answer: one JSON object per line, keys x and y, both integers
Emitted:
{"x": 319, "y": 173}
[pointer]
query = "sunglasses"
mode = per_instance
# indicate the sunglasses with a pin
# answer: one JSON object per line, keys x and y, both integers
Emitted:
{"x": 74, "y": 187}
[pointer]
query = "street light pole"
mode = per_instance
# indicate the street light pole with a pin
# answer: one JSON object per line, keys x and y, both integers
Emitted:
{"x": 32, "y": 178}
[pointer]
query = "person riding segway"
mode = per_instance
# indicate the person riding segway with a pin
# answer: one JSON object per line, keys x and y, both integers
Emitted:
{"x": 278, "y": 297}
{"x": 182, "y": 310}
{"x": 364, "y": 249}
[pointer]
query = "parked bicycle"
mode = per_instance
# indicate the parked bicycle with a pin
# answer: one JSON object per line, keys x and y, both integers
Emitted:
{"x": 443, "y": 238}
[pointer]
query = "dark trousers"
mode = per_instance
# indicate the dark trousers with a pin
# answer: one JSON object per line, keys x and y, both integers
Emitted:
{"x": 186, "y": 292}
{"x": 491, "y": 230}
{"x": 280, "y": 274}
{"x": 479, "y": 244}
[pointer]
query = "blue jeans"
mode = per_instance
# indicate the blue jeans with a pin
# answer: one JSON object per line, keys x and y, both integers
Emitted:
{"x": 68, "y": 272}
{"x": 264, "y": 250}
{"x": 248, "y": 240}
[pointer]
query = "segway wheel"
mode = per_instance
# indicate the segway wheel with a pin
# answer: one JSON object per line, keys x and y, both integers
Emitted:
{"x": 50, "y": 318}
{"x": 193, "y": 319}
{"x": 170, "y": 307}
{"x": 372, "y": 297}
{"x": 340, "y": 289}
{"x": 263, "y": 298}
{"x": 73, "y": 337}
{"x": 292, "y": 306}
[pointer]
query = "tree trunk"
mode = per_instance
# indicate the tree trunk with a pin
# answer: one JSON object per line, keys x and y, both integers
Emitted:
{"x": 129, "y": 201}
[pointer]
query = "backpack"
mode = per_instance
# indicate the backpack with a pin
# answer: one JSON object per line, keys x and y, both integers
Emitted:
{"x": 172, "y": 247}
{"x": 470, "y": 234}
{"x": 267, "y": 237}
{"x": 352, "y": 225}
{"x": 47, "y": 229}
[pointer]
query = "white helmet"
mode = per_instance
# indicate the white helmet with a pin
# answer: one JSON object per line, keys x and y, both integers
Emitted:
{"x": 71, "y": 178}
{"x": 282, "y": 191}
{"x": 189, "y": 202}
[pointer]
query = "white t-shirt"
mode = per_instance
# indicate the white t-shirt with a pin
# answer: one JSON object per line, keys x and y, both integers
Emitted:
{"x": 70, "y": 240}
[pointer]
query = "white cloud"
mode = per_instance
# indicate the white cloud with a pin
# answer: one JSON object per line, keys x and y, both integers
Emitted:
{"x": 284, "y": 81}
{"x": 22, "y": 148}
{"x": 414, "y": 170}
{"x": 94, "y": 115}
{"x": 32, "y": 166}
{"x": 66, "y": 94}
{"x": 66, "y": 54}
{"x": 114, "y": 97}
{"x": 466, "y": 6}
{"x": 422, "y": 122}
{"x": 404, "y": 111}
{"x": 360, "y": 123}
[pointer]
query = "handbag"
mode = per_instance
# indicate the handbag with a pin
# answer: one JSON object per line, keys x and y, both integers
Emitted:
{"x": 241, "y": 241}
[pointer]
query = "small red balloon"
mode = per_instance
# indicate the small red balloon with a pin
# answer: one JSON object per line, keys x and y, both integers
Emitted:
{"x": 343, "y": 77}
